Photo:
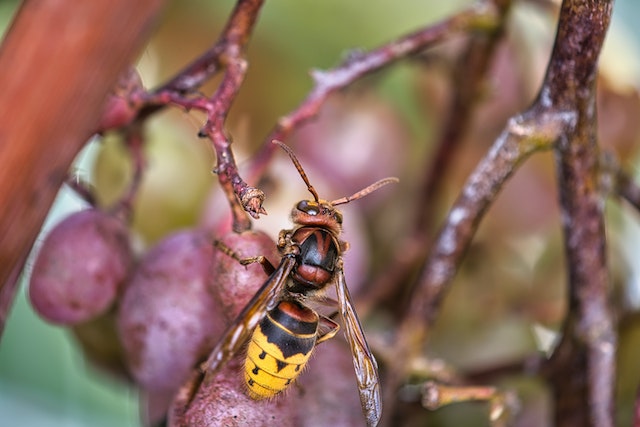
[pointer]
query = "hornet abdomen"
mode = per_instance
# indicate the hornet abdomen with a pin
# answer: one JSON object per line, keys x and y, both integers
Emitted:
{"x": 279, "y": 349}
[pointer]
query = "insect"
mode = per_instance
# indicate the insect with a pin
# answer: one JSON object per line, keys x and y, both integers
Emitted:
{"x": 281, "y": 328}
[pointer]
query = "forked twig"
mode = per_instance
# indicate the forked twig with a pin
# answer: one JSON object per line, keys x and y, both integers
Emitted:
{"x": 482, "y": 15}
{"x": 565, "y": 106}
{"x": 228, "y": 55}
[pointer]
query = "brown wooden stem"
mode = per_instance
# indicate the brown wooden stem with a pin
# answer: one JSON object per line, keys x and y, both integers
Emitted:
{"x": 585, "y": 358}
{"x": 56, "y": 69}
{"x": 565, "y": 107}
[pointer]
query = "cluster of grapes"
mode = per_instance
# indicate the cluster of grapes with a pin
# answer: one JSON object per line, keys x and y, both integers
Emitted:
{"x": 152, "y": 318}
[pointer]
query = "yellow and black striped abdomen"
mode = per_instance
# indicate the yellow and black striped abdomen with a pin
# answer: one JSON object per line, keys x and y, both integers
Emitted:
{"x": 279, "y": 348}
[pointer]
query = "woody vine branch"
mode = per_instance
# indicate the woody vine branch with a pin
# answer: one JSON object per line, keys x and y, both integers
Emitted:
{"x": 228, "y": 54}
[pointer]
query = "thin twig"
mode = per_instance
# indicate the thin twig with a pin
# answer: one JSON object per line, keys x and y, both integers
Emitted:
{"x": 235, "y": 33}
{"x": 228, "y": 54}
{"x": 525, "y": 134}
{"x": 234, "y": 187}
{"x": 483, "y": 15}
{"x": 135, "y": 144}
{"x": 234, "y": 38}
{"x": 468, "y": 78}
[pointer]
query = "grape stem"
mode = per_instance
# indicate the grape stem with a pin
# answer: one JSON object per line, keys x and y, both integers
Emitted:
{"x": 228, "y": 54}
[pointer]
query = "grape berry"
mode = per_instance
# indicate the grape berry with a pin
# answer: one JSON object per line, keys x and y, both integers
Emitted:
{"x": 80, "y": 268}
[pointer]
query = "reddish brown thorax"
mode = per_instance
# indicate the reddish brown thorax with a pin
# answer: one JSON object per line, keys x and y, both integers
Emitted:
{"x": 316, "y": 260}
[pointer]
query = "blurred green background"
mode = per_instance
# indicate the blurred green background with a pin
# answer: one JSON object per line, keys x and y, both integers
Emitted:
{"x": 44, "y": 380}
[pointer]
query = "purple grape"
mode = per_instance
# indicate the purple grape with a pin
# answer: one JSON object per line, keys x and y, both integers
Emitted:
{"x": 80, "y": 267}
{"x": 224, "y": 402}
{"x": 168, "y": 318}
{"x": 235, "y": 284}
